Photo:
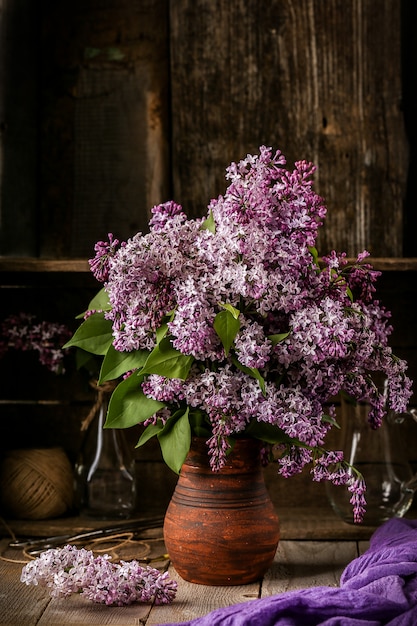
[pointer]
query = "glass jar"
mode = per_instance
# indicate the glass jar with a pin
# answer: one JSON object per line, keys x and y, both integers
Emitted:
{"x": 105, "y": 469}
{"x": 382, "y": 457}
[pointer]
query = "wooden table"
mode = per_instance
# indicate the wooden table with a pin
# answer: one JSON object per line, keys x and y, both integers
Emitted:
{"x": 314, "y": 549}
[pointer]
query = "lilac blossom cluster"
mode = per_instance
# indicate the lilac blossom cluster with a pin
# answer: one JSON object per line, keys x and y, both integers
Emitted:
{"x": 22, "y": 331}
{"x": 69, "y": 570}
{"x": 307, "y": 330}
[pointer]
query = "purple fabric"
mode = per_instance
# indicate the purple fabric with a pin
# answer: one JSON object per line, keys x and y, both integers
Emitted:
{"x": 379, "y": 588}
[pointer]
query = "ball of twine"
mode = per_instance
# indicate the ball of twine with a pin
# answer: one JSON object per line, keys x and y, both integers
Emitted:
{"x": 36, "y": 483}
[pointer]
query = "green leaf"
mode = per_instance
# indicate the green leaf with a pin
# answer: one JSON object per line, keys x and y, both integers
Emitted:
{"x": 330, "y": 420}
{"x": 209, "y": 223}
{"x": 314, "y": 254}
{"x": 349, "y": 293}
{"x": 175, "y": 440}
{"x": 251, "y": 371}
{"x": 117, "y": 363}
{"x": 199, "y": 423}
{"x": 227, "y": 327}
{"x": 269, "y": 433}
{"x": 100, "y": 302}
{"x": 86, "y": 360}
{"x": 128, "y": 404}
{"x": 149, "y": 432}
{"x": 274, "y": 339}
{"x": 114, "y": 54}
{"x": 167, "y": 361}
{"x": 233, "y": 310}
{"x": 93, "y": 335}
{"x": 161, "y": 332}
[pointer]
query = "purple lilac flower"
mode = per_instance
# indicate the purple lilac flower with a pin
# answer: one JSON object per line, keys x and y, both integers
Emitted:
{"x": 104, "y": 250}
{"x": 194, "y": 313}
{"x": 218, "y": 446}
{"x": 71, "y": 570}
{"x": 357, "y": 488}
{"x": 164, "y": 213}
{"x": 253, "y": 348}
{"x": 24, "y": 332}
{"x": 294, "y": 460}
{"x": 161, "y": 416}
{"x": 330, "y": 466}
{"x": 163, "y": 389}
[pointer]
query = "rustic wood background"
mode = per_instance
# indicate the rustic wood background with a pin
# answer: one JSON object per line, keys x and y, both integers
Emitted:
{"x": 109, "y": 107}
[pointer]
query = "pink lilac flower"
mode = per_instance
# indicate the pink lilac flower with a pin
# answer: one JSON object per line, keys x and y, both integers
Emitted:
{"x": 71, "y": 570}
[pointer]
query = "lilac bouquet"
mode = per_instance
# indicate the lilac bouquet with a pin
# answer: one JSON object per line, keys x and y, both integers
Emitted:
{"x": 230, "y": 326}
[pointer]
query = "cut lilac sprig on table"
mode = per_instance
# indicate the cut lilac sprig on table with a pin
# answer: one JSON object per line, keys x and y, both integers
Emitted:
{"x": 69, "y": 570}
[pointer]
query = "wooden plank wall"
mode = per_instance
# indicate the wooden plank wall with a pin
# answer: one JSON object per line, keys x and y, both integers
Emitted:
{"x": 320, "y": 81}
{"x": 122, "y": 104}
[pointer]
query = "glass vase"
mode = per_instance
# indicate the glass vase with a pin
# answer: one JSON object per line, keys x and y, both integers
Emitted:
{"x": 382, "y": 457}
{"x": 105, "y": 470}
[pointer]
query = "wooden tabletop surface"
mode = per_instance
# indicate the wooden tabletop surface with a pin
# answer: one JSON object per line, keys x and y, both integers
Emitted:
{"x": 314, "y": 549}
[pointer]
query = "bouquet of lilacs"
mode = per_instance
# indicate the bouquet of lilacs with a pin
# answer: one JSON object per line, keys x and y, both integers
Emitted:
{"x": 25, "y": 332}
{"x": 69, "y": 570}
{"x": 231, "y": 326}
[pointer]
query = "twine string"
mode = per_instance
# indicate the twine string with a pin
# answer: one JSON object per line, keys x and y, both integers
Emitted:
{"x": 114, "y": 546}
{"x": 102, "y": 390}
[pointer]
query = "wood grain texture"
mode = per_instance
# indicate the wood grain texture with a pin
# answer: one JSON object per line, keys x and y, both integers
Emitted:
{"x": 197, "y": 600}
{"x": 18, "y": 604}
{"x": 76, "y": 611}
{"x": 34, "y": 264}
{"x": 301, "y": 564}
{"x": 320, "y": 81}
{"x": 104, "y": 115}
{"x": 297, "y": 565}
{"x": 19, "y": 132}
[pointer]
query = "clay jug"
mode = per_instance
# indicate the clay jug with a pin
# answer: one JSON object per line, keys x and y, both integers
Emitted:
{"x": 221, "y": 528}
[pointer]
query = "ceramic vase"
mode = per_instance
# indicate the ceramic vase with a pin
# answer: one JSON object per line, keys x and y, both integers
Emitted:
{"x": 221, "y": 528}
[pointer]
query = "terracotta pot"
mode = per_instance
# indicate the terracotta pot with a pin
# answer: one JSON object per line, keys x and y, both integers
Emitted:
{"x": 221, "y": 528}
